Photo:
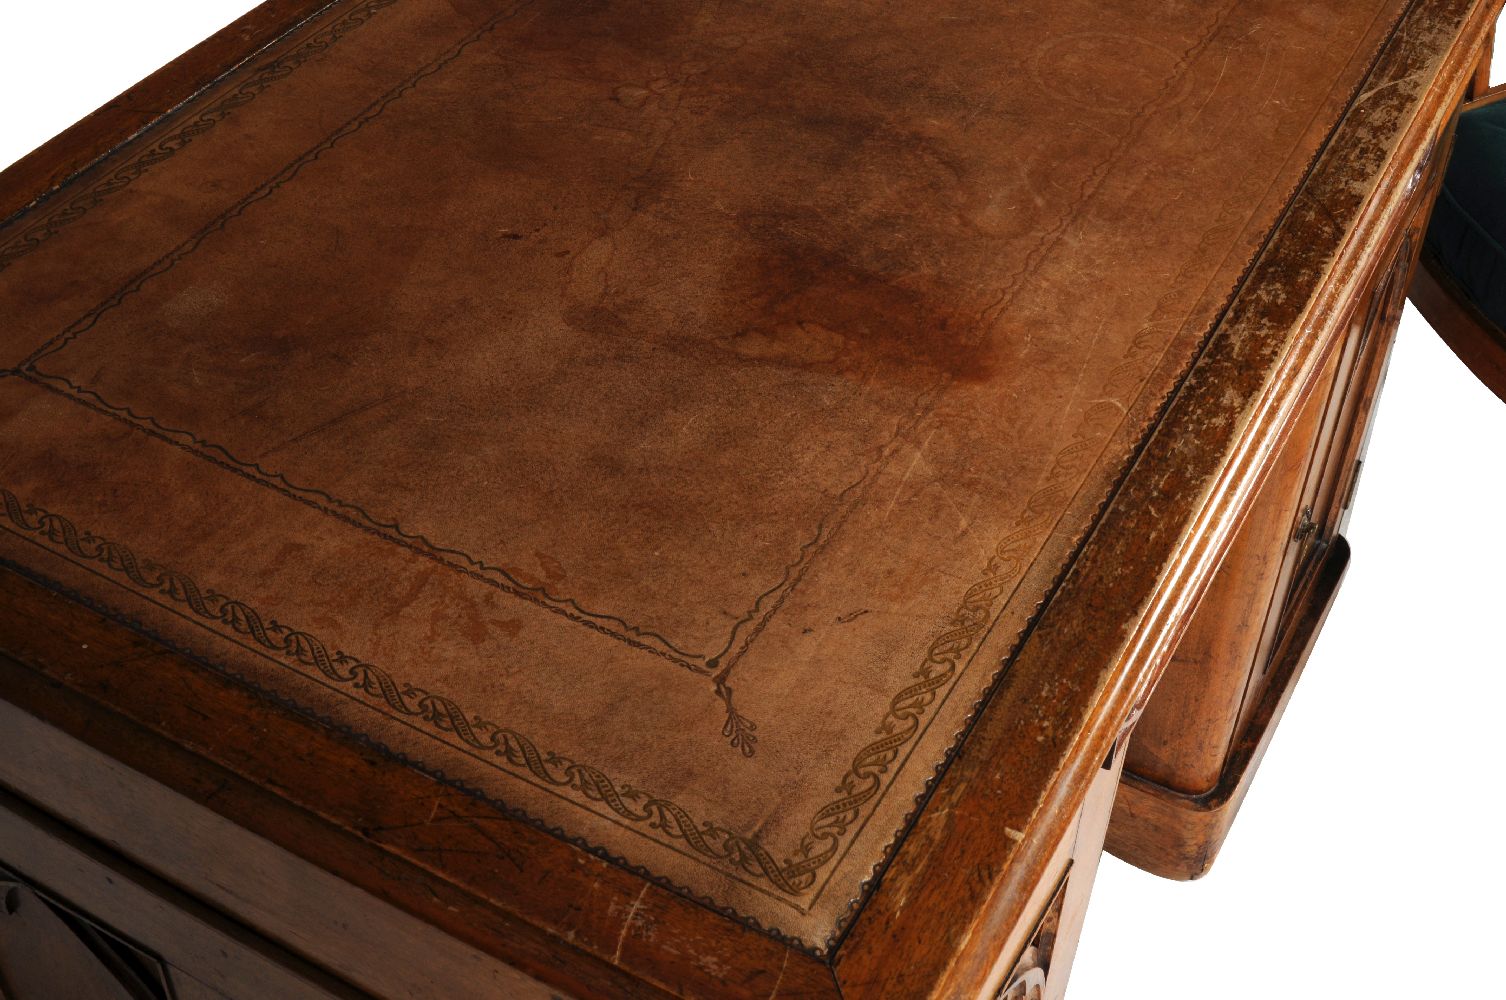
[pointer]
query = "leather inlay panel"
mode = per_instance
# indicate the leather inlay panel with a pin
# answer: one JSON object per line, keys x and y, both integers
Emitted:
{"x": 662, "y": 420}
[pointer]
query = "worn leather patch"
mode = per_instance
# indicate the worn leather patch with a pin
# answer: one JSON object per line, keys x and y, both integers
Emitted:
{"x": 660, "y": 418}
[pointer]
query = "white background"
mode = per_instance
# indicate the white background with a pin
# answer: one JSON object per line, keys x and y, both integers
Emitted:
{"x": 1367, "y": 859}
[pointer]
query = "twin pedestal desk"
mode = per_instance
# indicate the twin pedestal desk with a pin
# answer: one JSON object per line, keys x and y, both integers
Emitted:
{"x": 509, "y": 499}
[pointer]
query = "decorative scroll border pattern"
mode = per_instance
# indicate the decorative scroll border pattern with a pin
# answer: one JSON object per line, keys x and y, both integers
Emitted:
{"x": 948, "y": 655}
{"x": 863, "y": 780}
{"x": 122, "y": 177}
{"x": 438, "y": 712}
{"x": 737, "y": 729}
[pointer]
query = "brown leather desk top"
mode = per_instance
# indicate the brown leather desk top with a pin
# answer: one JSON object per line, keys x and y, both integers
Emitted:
{"x": 663, "y": 419}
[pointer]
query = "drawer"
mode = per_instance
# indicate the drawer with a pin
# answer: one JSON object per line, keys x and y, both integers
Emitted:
{"x": 63, "y": 899}
{"x": 214, "y": 903}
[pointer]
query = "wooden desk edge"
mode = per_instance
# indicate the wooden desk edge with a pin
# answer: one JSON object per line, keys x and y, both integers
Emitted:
{"x": 1223, "y": 427}
{"x": 955, "y": 942}
{"x": 39, "y": 175}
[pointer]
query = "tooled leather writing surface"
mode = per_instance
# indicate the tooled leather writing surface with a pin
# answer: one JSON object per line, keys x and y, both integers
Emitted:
{"x": 660, "y": 418}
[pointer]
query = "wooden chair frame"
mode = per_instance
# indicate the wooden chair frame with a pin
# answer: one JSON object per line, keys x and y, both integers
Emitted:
{"x": 1469, "y": 333}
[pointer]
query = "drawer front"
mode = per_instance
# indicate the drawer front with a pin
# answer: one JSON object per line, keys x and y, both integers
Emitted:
{"x": 78, "y": 921}
{"x": 216, "y": 903}
{"x": 49, "y": 949}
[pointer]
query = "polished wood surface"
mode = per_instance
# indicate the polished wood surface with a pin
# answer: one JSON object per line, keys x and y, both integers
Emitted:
{"x": 40, "y": 173}
{"x": 1184, "y": 735}
{"x": 960, "y": 900}
{"x": 1479, "y": 84}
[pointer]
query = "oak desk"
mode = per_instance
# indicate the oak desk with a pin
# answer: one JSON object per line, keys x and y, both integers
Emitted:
{"x": 512, "y": 499}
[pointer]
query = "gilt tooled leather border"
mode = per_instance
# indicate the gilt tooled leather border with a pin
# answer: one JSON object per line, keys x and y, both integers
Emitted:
{"x": 505, "y": 747}
{"x": 122, "y": 177}
{"x": 905, "y": 715}
{"x": 273, "y": 696}
{"x": 739, "y": 731}
{"x": 973, "y": 619}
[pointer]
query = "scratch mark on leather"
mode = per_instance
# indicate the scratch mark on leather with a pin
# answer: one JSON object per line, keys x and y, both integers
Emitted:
{"x": 920, "y": 453}
{"x": 1222, "y": 69}
{"x": 325, "y": 425}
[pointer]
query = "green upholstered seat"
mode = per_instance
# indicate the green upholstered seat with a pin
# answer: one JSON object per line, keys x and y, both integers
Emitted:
{"x": 1468, "y": 230}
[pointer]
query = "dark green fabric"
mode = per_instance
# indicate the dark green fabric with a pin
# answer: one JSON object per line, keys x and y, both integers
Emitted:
{"x": 1468, "y": 231}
